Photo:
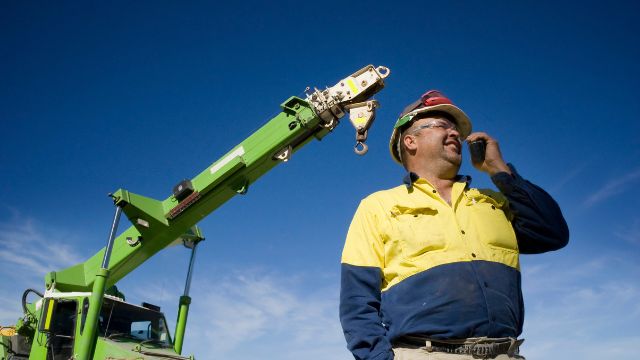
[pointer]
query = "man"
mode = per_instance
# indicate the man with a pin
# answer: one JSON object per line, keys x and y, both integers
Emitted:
{"x": 430, "y": 268}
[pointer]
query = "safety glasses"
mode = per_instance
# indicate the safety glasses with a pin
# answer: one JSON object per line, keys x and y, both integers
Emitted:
{"x": 442, "y": 124}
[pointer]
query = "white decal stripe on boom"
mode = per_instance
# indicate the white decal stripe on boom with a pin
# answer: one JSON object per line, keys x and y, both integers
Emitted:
{"x": 235, "y": 153}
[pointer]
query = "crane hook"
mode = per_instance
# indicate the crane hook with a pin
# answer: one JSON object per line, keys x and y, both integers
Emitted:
{"x": 360, "y": 148}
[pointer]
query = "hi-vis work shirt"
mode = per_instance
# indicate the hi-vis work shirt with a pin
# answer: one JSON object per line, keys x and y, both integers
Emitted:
{"x": 414, "y": 265}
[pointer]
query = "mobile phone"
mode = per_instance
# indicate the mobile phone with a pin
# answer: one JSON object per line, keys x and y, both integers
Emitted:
{"x": 477, "y": 149}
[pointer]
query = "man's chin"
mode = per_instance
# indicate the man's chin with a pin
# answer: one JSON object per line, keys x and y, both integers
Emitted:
{"x": 455, "y": 160}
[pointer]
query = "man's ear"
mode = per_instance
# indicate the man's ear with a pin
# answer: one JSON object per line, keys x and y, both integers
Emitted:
{"x": 409, "y": 142}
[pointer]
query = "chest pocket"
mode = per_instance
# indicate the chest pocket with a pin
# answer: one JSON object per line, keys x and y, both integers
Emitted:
{"x": 493, "y": 225}
{"x": 416, "y": 231}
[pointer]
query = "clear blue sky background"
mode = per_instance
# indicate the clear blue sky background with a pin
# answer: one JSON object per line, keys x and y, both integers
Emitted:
{"x": 139, "y": 95}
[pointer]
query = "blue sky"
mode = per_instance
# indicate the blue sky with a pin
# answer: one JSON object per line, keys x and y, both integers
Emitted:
{"x": 96, "y": 97}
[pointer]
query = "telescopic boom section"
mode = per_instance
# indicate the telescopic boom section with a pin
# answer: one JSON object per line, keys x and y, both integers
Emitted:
{"x": 157, "y": 224}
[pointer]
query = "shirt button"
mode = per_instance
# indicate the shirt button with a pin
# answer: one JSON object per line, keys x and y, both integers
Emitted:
{"x": 462, "y": 231}
{"x": 493, "y": 207}
{"x": 434, "y": 191}
{"x": 472, "y": 254}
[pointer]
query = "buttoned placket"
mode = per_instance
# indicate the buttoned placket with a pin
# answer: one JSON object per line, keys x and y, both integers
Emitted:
{"x": 457, "y": 192}
{"x": 482, "y": 283}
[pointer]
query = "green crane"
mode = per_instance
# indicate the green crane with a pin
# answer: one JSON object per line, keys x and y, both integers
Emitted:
{"x": 81, "y": 314}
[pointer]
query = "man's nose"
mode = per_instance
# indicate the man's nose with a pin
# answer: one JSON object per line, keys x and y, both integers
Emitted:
{"x": 453, "y": 132}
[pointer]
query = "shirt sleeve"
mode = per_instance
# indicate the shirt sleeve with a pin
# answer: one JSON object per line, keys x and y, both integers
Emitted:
{"x": 360, "y": 294}
{"x": 537, "y": 220}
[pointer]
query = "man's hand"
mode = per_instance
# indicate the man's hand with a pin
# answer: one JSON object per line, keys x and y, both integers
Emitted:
{"x": 493, "y": 161}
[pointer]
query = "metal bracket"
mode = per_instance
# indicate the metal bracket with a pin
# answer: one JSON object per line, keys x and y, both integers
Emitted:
{"x": 242, "y": 187}
{"x": 283, "y": 154}
{"x": 362, "y": 116}
{"x": 350, "y": 94}
{"x": 191, "y": 237}
{"x": 133, "y": 241}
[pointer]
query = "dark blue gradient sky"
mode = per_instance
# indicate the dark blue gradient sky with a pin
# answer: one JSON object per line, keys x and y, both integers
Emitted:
{"x": 98, "y": 96}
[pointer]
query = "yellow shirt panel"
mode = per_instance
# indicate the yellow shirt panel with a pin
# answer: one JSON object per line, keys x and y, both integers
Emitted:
{"x": 404, "y": 231}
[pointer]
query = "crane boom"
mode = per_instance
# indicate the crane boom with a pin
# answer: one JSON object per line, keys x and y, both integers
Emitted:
{"x": 158, "y": 223}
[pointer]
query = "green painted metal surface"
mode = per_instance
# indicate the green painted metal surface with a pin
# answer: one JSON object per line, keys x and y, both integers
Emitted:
{"x": 295, "y": 125}
{"x": 85, "y": 345}
{"x": 181, "y": 323}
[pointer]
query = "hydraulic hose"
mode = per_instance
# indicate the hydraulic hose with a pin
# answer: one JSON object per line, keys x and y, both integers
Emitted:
{"x": 24, "y": 298}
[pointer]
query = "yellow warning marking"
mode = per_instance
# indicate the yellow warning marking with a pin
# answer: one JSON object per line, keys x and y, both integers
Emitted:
{"x": 353, "y": 87}
{"x": 47, "y": 322}
{"x": 360, "y": 121}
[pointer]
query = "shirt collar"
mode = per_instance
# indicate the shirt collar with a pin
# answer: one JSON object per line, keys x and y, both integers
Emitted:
{"x": 409, "y": 179}
{"x": 412, "y": 177}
